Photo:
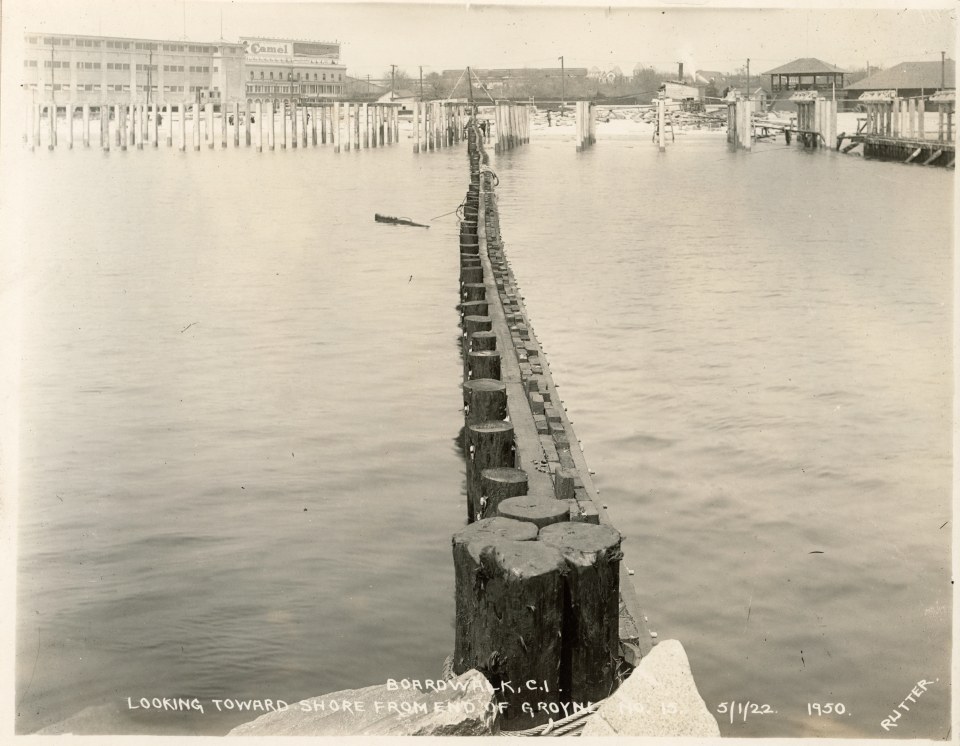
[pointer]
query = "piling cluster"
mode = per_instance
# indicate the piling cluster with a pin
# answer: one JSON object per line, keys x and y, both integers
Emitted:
{"x": 586, "y": 124}
{"x": 260, "y": 124}
{"x": 537, "y": 575}
{"x": 437, "y": 124}
{"x": 513, "y": 125}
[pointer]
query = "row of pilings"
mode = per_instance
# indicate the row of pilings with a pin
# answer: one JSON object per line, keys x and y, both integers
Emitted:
{"x": 265, "y": 125}
{"x": 513, "y": 125}
{"x": 438, "y": 124}
{"x": 537, "y": 575}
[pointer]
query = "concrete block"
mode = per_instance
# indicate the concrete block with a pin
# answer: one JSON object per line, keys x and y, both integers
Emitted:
{"x": 536, "y": 403}
{"x": 659, "y": 698}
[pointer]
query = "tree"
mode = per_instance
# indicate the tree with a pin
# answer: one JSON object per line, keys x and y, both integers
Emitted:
{"x": 399, "y": 78}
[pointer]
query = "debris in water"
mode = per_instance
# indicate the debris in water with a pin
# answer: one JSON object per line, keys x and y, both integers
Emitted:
{"x": 397, "y": 221}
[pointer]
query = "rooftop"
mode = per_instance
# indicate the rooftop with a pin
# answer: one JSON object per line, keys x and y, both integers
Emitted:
{"x": 806, "y": 66}
{"x": 908, "y": 75}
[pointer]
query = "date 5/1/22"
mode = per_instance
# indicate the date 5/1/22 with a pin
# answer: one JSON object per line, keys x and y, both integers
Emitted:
{"x": 742, "y": 710}
{"x": 816, "y": 709}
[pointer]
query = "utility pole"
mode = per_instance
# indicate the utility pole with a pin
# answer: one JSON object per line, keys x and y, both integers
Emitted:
{"x": 943, "y": 70}
{"x": 421, "y": 82}
{"x": 470, "y": 84}
{"x": 748, "y": 77}
{"x": 393, "y": 81}
{"x": 150, "y": 75}
{"x": 368, "y": 84}
{"x": 563, "y": 89}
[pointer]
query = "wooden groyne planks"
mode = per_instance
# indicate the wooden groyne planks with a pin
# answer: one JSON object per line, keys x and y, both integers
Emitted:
{"x": 530, "y": 451}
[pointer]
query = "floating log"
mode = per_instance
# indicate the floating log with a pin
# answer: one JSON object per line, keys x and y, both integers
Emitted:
{"x": 591, "y": 617}
{"x": 397, "y": 221}
{"x": 514, "y": 635}
{"x": 540, "y": 511}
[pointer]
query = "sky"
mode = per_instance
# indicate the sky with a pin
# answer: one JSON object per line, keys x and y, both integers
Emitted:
{"x": 376, "y": 35}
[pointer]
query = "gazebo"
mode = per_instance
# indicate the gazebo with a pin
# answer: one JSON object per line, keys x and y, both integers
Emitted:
{"x": 805, "y": 74}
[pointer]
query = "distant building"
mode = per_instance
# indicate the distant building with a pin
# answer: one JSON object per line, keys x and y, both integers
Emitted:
{"x": 402, "y": 96}
{"x": 908, "y": 79}
{"x": 109, "y": 70}
{"x": 500, "y": 79}
{"x": 805, "y": 74}
{"x": 292, "y": 69}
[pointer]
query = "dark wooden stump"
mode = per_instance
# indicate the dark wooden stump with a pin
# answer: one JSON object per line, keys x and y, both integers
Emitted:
{"x": 564, "y": 483}
{"x": 465, "y": 568}
{"x": 541, "y": 511}
{"x": 470, "y": 275}
{"x": 484, "y": 400}
{"x": 496, "y": 485}
{"x": 517, "y": 621}
{"x": 474, "y": 323}
{"x": 591, "y": 615}
{"x": 469, "y": 260}
{"x": 474, "y": 308}
{"x": 483, "y": 341}
{"x": 483, "y": 364}
{"x": 473, "y": 291}
{"x": 489, "y": 444}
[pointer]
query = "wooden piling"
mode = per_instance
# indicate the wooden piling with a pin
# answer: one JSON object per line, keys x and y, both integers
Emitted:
{"x": 271, "y": 126}
{"x": 85, "y": 114}
{"x": 183, "y": 127}
{"x": 484, "y": 400}
{"x": 540, "y": 511}
{"x": 335, "y": 127}
{"x": 466, "y": 565}
{"x": 591, "y": 614}
{"x": 488, "y": 444}
{"x": 499, "y": 484}
{"x": 283, "y": 124}
{"x": 515, "y": 635}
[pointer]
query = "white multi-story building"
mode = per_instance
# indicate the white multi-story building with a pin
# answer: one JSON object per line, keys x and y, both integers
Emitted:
{"x": 67, "y": 68}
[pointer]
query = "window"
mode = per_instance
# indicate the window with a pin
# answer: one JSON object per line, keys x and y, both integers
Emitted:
{"x": 141, "y": 45}
{"x": 31, "y": 40}
{"x": 261, "y": 75}
{"x": 271, "y": 75}
{"x": 29, "y": 63}
{"x": 251, "y": 75}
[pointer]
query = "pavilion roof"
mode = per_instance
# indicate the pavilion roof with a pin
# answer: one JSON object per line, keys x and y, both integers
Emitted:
{"x": 805, "y": 66}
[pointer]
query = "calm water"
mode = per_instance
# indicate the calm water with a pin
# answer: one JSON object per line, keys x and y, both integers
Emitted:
{"x": 240, "y": 397}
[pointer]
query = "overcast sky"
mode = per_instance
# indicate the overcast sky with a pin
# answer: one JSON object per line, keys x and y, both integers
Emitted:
{"x": 455, "y": 35}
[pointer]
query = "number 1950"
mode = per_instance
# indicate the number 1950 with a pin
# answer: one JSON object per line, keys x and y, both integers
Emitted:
{"x": 827, "y": 708}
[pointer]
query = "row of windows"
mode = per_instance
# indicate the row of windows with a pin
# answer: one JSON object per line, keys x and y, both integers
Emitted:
{"x": 306, "y": 76}
{"x": 257, "y": 88}
{"x": 146, "y": 68}
{"x": 142, "y": 45}
{"x": 198, "y": 69}
{"x": 118, "y": 66}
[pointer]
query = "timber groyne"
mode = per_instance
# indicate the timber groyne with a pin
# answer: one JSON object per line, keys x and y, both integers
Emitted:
{"x": 542, "y": 594}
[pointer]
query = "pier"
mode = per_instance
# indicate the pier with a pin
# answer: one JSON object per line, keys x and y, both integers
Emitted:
{"x": 539, "y": 558}
{"x": 894, "y": 129}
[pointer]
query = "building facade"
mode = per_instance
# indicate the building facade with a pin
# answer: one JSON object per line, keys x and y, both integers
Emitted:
{"x": 67, "y": 68}
{"x": 287, "y": 69}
